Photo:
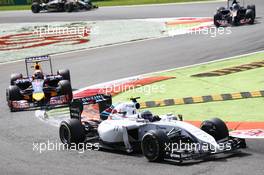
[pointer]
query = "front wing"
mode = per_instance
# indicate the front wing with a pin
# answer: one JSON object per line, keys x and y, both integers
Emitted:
{"x": 185, "y": 155}
{"x": 57, "y": 101}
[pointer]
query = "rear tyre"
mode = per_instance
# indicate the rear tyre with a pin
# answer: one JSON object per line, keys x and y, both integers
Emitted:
{"x": 216, "y": 128}
{"x": 71, "y": 131}
{"x": 69, "y": 7}
{"x": 65, "y": 74}
{"x": 35, "y": 7}
{"x": 15, "y": 77}
{"x": 153, "y": 145}
{"x": 253, "y": 8}
{"x": 66, "y": 89}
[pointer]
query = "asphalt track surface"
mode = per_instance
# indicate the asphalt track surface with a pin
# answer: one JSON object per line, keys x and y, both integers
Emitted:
{"x": 112, "y": 13}
{"x": 19, "y": 130}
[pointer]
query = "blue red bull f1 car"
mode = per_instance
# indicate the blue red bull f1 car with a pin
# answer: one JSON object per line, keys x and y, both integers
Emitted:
{"x": 39, "y": 89}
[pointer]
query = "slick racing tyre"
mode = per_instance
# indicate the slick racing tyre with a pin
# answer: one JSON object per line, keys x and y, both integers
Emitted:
{"x": 35, "y": 7}
{"x": 253, "y": 8}
{"x": 250, "y": 15}
{"x": 65, "y": 74}
{"x": 15, "y": 77}
{"x": 69, "y": 7}
{"x": 66, "y": 89}
{"x": 71, "y": 131}
{"x": 95, "y": 6}
{"x": 216, "y": 18}
{"x": 216, "y": 128}
{"x": 153, "y": 145}
{"x": 236, "y": 21}
{"x": 88, "y": 6}
{"x": 13, "y": 94}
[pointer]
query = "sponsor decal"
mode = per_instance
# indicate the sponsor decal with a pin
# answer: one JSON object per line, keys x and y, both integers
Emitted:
{"x": 37, "y": 58}
{"x": 244, "y": 21}
{"x": 58, "y": 100}
{"x": 222, "y": 22}
{"x": 20, "y": 104}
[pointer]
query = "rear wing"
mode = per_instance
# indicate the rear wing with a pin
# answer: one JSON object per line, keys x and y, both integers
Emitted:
{"x": 232, "y": 1}
{"x": 38, "y": 59}
{"x": 76, "y": 106}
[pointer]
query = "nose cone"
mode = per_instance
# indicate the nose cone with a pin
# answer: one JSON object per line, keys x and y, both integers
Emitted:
{"x": 38, "y": 96}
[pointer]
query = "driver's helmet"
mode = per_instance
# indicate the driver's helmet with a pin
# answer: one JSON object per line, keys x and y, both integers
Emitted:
{"x": 38, "y": 74}
{"x": 235, "y": 6}
{"x": 147, "y": 115}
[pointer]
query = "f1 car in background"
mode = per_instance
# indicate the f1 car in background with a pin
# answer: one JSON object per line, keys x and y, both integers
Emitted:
{"x": 39, "y": 89}
{"x": 61, "y": 5}
{"x": 235, "y": 14}
{"x": 156, "y": 137}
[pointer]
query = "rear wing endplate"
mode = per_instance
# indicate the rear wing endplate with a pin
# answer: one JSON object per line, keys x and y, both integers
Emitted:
{"x": 76, "y": 107}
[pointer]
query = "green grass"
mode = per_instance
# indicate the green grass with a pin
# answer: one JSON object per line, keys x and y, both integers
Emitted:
{"x": 184, "y": 86}
{"x": 14, "y": 7}
{"x": 101, "y": 3}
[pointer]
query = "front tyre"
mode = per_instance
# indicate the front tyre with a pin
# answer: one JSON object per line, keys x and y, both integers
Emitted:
{"x": 35, "y": 7}
{"x": 69, "y": 7}
{"x": 13, "y": 94}
{"x": 153, "y": 145}
{"x": 236, "y": 21}
{"x": 217, "y": 17}
{"x": 71, "y": 132}
{"x": 88, "y": 6}
{"x": 216, "y": 128}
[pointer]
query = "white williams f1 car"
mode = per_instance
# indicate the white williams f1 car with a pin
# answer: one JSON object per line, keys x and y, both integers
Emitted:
{"x": 61, "y": 5}
{"x": 122, "y": 127}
